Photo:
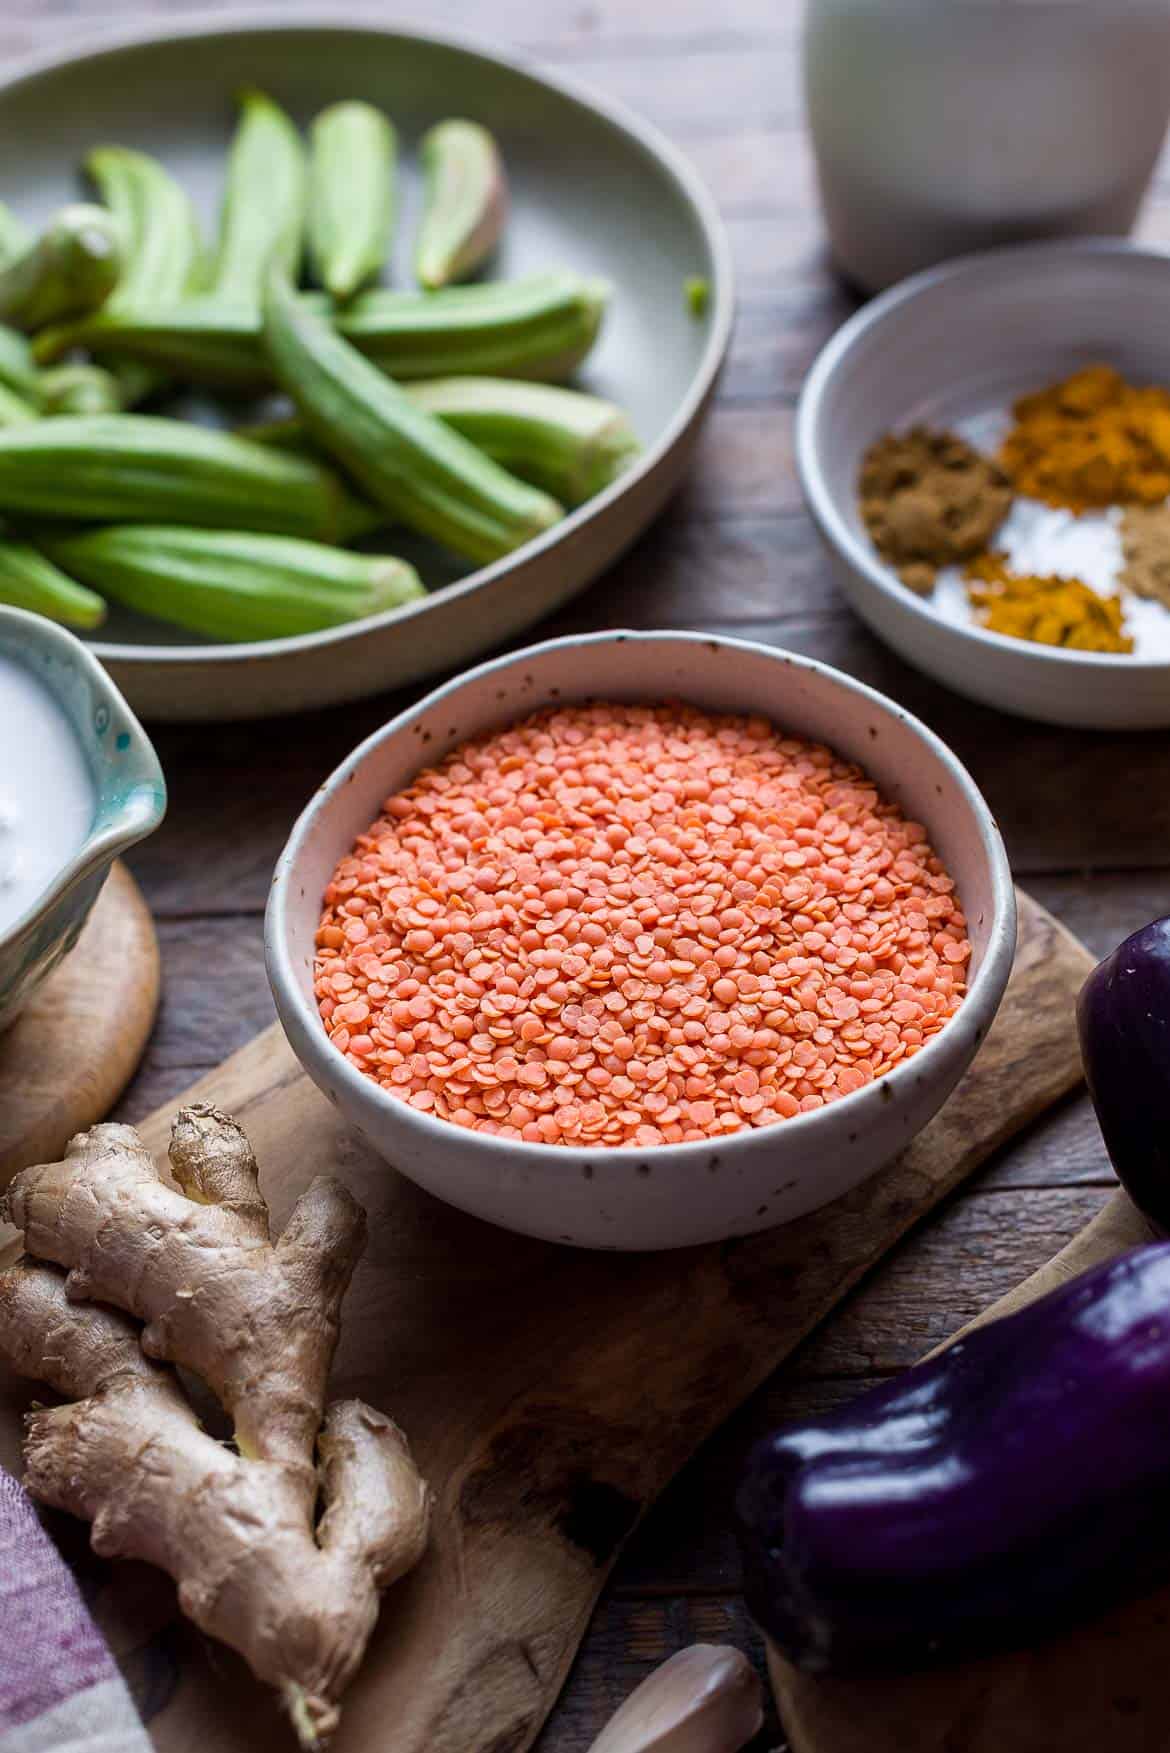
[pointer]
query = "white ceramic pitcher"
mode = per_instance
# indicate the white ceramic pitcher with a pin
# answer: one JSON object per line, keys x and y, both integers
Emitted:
{"x": 942, "y": 126}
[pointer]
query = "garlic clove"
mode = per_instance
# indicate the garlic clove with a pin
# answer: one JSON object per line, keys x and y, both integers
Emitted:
{"x": 705, "y": 1699}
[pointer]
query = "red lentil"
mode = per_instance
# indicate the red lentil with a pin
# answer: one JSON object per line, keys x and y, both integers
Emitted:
{"x": 614, "y": 925}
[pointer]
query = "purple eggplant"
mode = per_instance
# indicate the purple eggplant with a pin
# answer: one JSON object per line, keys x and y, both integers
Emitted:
{"x": 1124, "y": 1018}
{"x": 1017, "y": 1481}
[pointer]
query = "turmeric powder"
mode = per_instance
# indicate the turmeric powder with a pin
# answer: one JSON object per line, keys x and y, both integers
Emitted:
{"x": 1092, "y": 440}
{"x": 1048, "y": 610}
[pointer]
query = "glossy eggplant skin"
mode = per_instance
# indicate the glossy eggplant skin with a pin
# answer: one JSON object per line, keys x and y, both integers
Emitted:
{"x": 1124, "y": 1017}
{"x": 1015, "y": 1482}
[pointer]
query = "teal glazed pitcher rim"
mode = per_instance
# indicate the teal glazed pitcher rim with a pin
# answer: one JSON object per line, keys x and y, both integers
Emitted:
{"x": 130, "y": 796}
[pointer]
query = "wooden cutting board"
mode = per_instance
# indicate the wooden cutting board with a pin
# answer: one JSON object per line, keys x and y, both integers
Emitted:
{"x": 74, "y": 1048}
{"x": 1099, "y": 1688}
{"x": 549, "y": 1394}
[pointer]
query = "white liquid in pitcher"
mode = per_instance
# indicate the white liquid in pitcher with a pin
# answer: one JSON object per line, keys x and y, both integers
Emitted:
{"x": 46, "y": 794}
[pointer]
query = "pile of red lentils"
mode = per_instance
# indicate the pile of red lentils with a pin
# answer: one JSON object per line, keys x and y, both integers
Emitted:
{"x": 636, "y": 925}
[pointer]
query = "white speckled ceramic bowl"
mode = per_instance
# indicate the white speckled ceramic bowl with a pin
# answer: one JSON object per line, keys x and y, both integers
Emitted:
{"x": 671, "y": 1195}
{"x": 949, "y": 346}
{"x": 129, "y": 792}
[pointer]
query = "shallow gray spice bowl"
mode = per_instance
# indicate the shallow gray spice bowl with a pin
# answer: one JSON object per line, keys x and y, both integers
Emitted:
{"x": 128, "y": 789}
{"x": 670, "y": 1195}
{"x": 957, "y": 343}
{"x": 594, "y": 189}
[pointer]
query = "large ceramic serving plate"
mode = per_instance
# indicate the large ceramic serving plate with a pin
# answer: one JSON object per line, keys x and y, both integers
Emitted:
{"x": 593, "y": 189}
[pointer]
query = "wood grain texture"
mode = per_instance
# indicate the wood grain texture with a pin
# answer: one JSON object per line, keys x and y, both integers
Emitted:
{"x": 551, "y": 1394}
{"x": 74, "y": 1048}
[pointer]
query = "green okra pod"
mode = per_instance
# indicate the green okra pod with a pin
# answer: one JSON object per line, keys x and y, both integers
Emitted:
{"x": 29, "y": 580}
{"x": 71, "y": 268}
{"x": 15, "y": 409}
{"x": 540, "y": 327}
{"x": 140, "y": 467}
{"x": 18, "y": 368}
{"x": 15, "y": 235}
{"x": 413, "y": 465}
{"x": 80, "y": 389}
{"x": 571, "y": 444}
{"x": 227, "y": 584}
{"x": 263, "y": 213}
{"x": 159, "y": 225}
{"x": 164, "y": 251}
{"x": 352, "y": 158}
{"x": 465, "y": 202}
{"x": 203, "y": 339}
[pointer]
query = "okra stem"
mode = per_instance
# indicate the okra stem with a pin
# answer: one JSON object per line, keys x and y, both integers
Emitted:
{"x": 353, "y": 151}
{"x": 80, "y": 389}
{"x": 263, "y": 212}
{"x": 28, "y": 580}
{"x": 421, "y": 471}
{"x": 71, "y": 269}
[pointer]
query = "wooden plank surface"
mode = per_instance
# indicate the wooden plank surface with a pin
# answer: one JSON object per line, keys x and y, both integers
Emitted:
{"x": 76, "y": 1044}
{"x": 1087, "y": 818}
{"x": 543, "y": 1457}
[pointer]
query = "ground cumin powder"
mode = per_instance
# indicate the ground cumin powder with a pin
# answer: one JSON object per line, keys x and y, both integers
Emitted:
{"x": 1145, "y": 544}
{"x": 930, "y": 499}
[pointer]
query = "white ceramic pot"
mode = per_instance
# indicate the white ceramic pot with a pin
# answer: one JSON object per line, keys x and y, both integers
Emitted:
{"x": 945, "y": 126}
{"x": 670, "y": 1195}
{"x": 129, "y": 799}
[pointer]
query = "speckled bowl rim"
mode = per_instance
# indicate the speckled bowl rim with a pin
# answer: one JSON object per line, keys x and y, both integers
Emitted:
{"x": 144, "y": 808}
{"x": 644, "y": 135}
{"x": 978, "y": 1008}
{"x": 825, "y": 506}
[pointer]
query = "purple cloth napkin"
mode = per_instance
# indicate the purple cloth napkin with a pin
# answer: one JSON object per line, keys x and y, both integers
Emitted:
{"x": 60, "y": 1691}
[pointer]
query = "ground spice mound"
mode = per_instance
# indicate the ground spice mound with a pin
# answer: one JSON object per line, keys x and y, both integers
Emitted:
{"x": 1049, "y": 609}
{"x": 929, "y": 499}
{"x": 1091, "y": 440}
{"x": 1145, "y": 544}
{"x": 615, "y": 925}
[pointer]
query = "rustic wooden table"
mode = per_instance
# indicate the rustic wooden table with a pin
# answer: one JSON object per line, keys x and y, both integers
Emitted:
{"x": 1087, "y": 817}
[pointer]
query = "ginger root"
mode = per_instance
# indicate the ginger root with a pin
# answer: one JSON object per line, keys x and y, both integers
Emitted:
{"x": 293, "y": 1590}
